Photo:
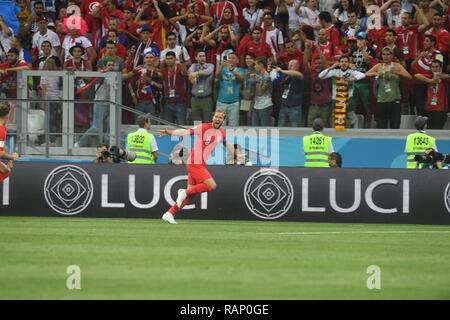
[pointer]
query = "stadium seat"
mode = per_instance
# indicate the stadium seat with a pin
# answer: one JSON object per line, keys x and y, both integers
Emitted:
{"x": 407, "y": 121}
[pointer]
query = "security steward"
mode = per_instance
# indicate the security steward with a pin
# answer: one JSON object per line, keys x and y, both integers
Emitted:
{"x": 317, "y": 146}
{"x": 417, "y": 143}
{"x": 143, "y": 143}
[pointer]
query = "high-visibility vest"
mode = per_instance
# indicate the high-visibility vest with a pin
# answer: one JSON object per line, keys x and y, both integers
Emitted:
{"x": 317, "y": 147}
{"x": 140, "y": 143}
{"x": 416, "y": 144}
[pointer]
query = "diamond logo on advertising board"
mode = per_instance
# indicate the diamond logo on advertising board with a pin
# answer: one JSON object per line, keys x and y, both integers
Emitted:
{"x": 68, "y": 190}
{"x": 447, "y": 197}
{"x": 268, "y": 194}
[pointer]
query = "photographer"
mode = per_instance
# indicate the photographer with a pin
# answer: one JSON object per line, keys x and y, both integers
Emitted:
{"x": 335, "y": 160}
{"x": 417, "y": 143}
{"x": 103, "y": 155}
{"x": 432, "y": 159}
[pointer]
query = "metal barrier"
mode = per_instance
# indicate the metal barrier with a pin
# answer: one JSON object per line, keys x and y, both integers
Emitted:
{"x": 34, "y": 116}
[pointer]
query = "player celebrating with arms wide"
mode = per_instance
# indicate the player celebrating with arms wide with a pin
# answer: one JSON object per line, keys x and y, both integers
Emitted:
{"x": 199, "y": 178}
{"x": 5, "y": 170}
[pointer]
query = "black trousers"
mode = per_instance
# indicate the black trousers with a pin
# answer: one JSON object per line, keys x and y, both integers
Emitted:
{"x": 388, "y": 112}
{"x": 436, "y": 119}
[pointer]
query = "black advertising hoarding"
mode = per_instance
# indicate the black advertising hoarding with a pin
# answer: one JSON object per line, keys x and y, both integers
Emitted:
{"x": 243, "y": 193}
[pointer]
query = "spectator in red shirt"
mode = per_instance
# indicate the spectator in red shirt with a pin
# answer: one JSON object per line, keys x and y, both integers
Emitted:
{"x": 329, "y": 50}
{"x": 145, "y": 43}
{"x": 190, "y": 25}
{"x": 137, "y": 5}
{"x": 8, "y": 71}
{"x": 291, "y": 53}
{"x": 442, "y": 35}
{"x": 390, "y": 37}
{"x": 407, "y": 35}
{"x": 158, "y": 23}
{"x": 256, "y": 46}
{"x": 226, "y": 42}
{"x": 106, "y": 11}
{"x": 218, "y": 8}
{"x": 174, "y": 89}
{"x": 320, "y": 89}
{"x": 121, "y": 51}
{"x": 333, "y": 32}
{"x": 422, "y": 65}
{"x": 110, "y": 51}
{"x": 147, "y": 85}
{"x": 121, "y": 37}
{"x": 94, "y": 24}
{"x": 436, "y": 107}
{"x": 130, "y": 27}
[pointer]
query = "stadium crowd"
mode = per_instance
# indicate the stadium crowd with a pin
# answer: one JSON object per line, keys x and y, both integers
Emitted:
{"x": 262, "y": 61}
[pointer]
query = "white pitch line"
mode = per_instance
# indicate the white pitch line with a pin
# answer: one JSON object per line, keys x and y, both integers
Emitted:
{"x": 362, "y": 232}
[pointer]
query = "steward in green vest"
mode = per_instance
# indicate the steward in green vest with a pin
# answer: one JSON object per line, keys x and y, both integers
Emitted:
{"x": 417, "y": 143}
{"x": 143, "y": 143}
{"x": 317, "y": 146}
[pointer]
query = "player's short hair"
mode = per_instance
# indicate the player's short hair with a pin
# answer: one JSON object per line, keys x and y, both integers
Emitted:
{"x": 4, "y": 108}
{"x": 344, "y": 57}
{"x": 220, "y": 111}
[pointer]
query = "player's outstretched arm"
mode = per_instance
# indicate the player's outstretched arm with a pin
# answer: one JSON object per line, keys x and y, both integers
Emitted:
{"x": 230, "y": 147}
{"x": 177, "y": 132}
{"x": 13, "y": 156}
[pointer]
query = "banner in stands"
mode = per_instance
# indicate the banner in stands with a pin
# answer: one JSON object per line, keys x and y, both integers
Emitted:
{"x": 243, "y": 193}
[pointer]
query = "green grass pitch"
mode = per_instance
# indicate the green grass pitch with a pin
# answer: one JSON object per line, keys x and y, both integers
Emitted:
{"x": 204, "y": 259}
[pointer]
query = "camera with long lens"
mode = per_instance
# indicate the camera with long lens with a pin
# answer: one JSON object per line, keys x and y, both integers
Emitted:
{"x": 106, "y": 154}
{"x": 122, "y": 154}
{"x": 432, "y": 158}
